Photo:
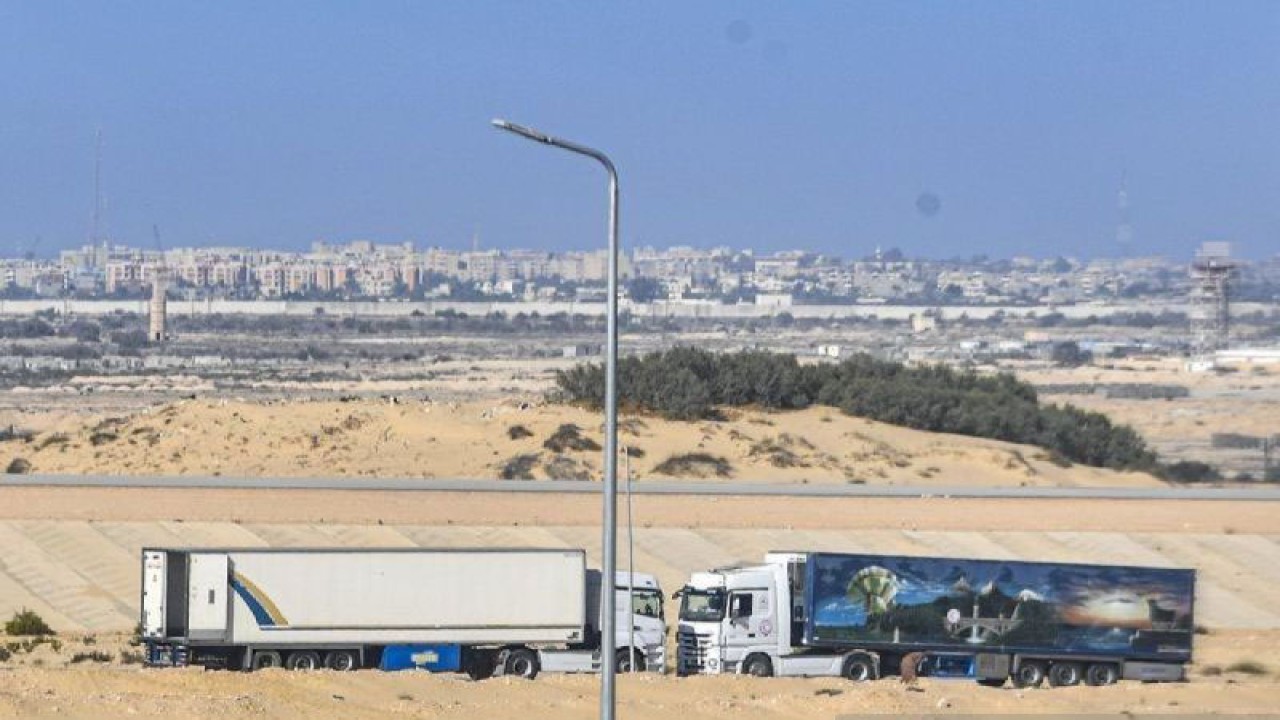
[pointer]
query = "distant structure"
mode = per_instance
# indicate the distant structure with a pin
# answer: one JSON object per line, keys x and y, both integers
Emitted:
{"x": 1124, "y": 229}
{"x": 159, "y": 310}
{"x": 1211, "y": 273}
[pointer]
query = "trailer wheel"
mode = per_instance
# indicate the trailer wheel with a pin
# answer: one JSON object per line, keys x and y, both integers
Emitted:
{"x": 860, "y": 667}
{"x": 1029, "y": 674}
{"x": 1101, "y": 674}
{"x": 522, "y": 663}
{"x": 623, "y": 664}
{"x": 341, "y": 660}
{"x": 263, "y": 659}
{"x": 758, "y": 666}
{"x": 1064, "y": 674}
{"x": 303, "y": 660}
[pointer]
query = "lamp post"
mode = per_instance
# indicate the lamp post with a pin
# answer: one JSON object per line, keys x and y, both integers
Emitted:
{"x": 608, "y": 591}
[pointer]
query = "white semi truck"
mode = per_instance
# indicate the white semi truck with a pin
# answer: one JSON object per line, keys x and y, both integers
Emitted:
{"x": 996, "y": 621}
{"x": 484, "y": 612}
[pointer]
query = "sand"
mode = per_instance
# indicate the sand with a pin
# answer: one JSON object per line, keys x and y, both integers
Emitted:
{"x": 416, "y": 438}
{"x": 189, "y": 693}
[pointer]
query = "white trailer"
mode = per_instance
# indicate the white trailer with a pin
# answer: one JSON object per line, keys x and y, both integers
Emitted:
{"x": 483, "y": 611}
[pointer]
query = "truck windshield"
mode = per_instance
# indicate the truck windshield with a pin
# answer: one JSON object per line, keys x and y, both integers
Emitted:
{"x": 647, "y": 603}
{"x": 702, "y": 605}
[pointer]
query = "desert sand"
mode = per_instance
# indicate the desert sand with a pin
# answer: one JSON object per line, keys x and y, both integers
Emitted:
{"x": 97, "y": 693}
{"x": 419, "y": 438}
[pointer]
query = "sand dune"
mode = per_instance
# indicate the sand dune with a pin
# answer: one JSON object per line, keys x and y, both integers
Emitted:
{"x": 528, "y": 439}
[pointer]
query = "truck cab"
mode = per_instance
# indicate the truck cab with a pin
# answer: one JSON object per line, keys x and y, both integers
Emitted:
{"x": 730, "y": 615}
{"x": 647, "y": 633}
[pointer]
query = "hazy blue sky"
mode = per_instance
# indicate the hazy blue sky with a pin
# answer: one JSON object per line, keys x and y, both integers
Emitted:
{"x": 810, "y": 124}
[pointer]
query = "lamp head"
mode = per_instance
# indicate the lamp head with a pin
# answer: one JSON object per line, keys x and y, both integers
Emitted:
{"x": 522, "y": 131}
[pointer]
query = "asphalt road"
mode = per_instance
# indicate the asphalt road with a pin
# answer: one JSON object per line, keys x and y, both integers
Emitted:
{"x": 641, "y": 488}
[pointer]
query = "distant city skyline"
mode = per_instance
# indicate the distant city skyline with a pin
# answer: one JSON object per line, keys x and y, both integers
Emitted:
{"x": 1087, "y": 129}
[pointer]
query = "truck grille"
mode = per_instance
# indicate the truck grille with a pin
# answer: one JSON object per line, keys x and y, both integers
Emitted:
{"x": 693, "y": 650}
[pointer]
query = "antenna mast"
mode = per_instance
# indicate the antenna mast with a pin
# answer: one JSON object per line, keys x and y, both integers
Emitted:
{"x": 97, "y": 194}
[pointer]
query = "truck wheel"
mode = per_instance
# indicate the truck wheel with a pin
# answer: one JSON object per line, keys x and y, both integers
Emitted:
{"x": 522, "y": 663}
{"x": 1029, "y": 674}
{"x": 1064, "y": 674}
{"x": 303, "y": 660}
{"x": 1101, "y": 674}
{"x": 623, "y": 664}
{"x": 341, "y": 660}
{"x": 263, "y": 659}
{"x": 859, "y": 667}
{"x": 758, "y": 666}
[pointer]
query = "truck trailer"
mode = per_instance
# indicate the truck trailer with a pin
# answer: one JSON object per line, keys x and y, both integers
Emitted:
{"x": 859, "y": 616}
{"x": 484, "y": 612}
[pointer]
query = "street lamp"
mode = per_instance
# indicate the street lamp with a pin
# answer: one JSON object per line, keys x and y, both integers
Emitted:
{"x": 608, "y": 591}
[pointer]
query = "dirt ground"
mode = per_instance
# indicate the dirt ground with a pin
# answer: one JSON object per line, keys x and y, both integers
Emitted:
{"x": 91, "y": 694}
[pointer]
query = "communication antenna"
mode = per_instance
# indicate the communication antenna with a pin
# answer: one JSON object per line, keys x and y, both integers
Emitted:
{"x": 97, "y": 192}
{"x": 1124, "y": 229}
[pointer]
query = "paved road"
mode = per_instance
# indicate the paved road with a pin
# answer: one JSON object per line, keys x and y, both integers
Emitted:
{"x": 641, "y": 488}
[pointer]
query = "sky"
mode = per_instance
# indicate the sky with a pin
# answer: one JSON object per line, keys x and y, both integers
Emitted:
{"x": 944, "y": 129}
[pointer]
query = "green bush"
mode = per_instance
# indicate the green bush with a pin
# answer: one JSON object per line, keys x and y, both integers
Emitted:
{"x": 1190, "y": 471}
{"x": 687, "y": 383}
{"x": 27, "y": 622}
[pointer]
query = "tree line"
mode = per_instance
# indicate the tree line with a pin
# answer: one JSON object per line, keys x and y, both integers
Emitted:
{"x": 686, "y": 383}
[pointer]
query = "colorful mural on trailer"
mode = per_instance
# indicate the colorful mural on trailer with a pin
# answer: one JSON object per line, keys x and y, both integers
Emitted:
{"x": 999, "y": 605}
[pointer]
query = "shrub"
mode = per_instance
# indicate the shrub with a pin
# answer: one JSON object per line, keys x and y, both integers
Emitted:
{"x": 695, "y": 465}
{"x": 27, "y": 622}
{"x": 569, "y": 437}
{"x": 102, "y": 437}
{"x": 1189, "y": 471}
{"x": 516, "y": 432}
{"x": 1069, "y": 354}
{"x": 5, "y": 654}
{"x": 129, "y": 657}
{"x": 687, "y": 383}
{"x": 566, "y": 468}
{"x": 1247, "y": 667}
{"x": 97, "y": 656}
{"x": 519, "y": 467}
{"x": 18, "y": 466}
